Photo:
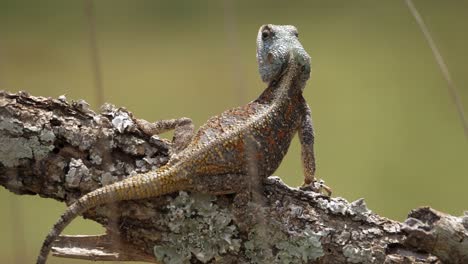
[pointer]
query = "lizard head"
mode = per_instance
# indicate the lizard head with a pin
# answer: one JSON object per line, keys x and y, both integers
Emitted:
{"x": 276, "y": 47}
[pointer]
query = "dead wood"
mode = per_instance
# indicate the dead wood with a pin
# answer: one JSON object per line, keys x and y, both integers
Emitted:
{"x": 63, "y": 150}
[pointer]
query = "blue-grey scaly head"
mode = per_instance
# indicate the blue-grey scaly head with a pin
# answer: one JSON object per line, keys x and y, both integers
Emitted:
{"x": 275, "y": 46}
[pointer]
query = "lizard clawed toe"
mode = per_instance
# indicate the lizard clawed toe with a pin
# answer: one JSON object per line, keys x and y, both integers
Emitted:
{"x": 317, "y": 186}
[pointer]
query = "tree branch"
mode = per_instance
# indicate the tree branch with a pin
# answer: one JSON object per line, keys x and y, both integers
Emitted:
{"x": 63, "y": 150}
{"x": 98, "y": 248}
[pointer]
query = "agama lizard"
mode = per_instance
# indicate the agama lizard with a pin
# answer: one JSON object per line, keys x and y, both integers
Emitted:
{"x": 258, "y": 133}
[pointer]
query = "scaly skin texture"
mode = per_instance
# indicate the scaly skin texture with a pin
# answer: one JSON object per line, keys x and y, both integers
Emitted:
{"x": 255, "y": 135}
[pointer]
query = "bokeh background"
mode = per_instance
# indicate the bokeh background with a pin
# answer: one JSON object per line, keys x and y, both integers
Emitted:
{"x": 387, "y": 129}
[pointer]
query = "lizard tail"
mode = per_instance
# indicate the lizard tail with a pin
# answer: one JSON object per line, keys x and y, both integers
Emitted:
{"x": 72, "y": 212}
{"x": 151, "y": 184}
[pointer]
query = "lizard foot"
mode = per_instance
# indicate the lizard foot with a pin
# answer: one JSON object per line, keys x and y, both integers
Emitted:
{"x": 183, "y": 130}
{"x": 317, "y": 186}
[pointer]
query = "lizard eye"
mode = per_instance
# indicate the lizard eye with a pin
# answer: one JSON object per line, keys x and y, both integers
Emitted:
{"x": 266, "y": 34}
{"x": 296, "y": 34}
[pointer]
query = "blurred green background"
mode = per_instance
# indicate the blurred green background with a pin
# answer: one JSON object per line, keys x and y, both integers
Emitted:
{"x": 386, "y": 127}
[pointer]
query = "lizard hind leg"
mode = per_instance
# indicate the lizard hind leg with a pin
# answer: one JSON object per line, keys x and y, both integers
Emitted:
{"x": 183, "y": 131}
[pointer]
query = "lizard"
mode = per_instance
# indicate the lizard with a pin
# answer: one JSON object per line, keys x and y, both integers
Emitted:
{"x": 258, "y": 133}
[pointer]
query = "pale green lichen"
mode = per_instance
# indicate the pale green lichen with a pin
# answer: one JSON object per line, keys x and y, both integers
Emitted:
{"x": 11, "y": 126}
{"x": 47, "y": 136}
{"x": 270, "y": 245}
{"x": 356, "y": 254}
{"x": 202, "y": 230}
{"x": 16, "y": 146}
{"x": 39, "y": 149}
{"x": 465, "y": 220}
{"x": 198, "y": 228}
{"x": 304, "y": 247}
{"x": 15, "y": 149}
{"x": 262, "y": 239}
{"x": 77, "y": 171}
{"x": 122, "y": 121}
{"x": 357, "y": 210}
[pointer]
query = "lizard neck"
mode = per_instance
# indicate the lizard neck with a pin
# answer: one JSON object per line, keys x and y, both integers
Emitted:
{"x": 289, "y": 85}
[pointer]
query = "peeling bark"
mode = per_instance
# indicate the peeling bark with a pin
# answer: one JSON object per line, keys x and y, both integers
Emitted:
{"x": 63, "y": 150}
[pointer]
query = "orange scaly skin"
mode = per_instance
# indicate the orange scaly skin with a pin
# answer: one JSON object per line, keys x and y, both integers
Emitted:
{"x": 261, "y": 130}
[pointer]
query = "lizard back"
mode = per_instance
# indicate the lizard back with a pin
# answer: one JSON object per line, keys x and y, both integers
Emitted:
{"x": 258, "y": 133}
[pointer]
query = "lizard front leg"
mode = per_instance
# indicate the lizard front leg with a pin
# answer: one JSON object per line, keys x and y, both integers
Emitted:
{"x": 307, "y": 139}
{"x": 183, "y": 130}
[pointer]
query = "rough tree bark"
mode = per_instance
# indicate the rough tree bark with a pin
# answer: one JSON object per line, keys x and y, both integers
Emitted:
{"x": 63, "y": 150}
